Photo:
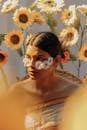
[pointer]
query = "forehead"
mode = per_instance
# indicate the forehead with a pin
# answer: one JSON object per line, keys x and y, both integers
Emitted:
{"x": 32, "y": 50}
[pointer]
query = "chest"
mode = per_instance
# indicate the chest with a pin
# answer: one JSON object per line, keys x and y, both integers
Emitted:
{"x": 43, "y": 117}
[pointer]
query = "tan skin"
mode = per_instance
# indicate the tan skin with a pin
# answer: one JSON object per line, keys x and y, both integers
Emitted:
{"x": 43, "y": 79}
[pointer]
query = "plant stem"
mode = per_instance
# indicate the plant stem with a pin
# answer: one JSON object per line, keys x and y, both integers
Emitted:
{"x": 79, "y": 61}
{"x": 4, "y": 78}
{"x": 54, "y": 30}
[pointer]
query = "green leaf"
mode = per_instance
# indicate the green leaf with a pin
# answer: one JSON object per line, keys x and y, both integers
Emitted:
{"x": 61, "y": 65}
{"x": 2, "y": 38}
{"x": 32, "y": 6}
{"x": 51, "y": 21}
{"x": 20, "y": 52}
{"x": 18, "y": 78}
{"x": 73, "y": 57}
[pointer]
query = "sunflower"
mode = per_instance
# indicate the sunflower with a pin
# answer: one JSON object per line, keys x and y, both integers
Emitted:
{"x": 3, "y": 58}
{"x": 23, "y": 17}
{"x": 83, "y": 53}
{"x": 37, "y": 17}
{"x": 82, "y": 9}
{"x": 69, "y": 36}
{"x": 14, "y": 39}
{"x": 9, "y": 5}
{"x": 70, "y": 17}
{"x": 50, "y": 6}
{"x": 84, "y": 80}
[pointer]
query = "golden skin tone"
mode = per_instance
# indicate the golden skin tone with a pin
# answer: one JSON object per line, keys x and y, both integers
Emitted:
{"x": 42, "y": 79}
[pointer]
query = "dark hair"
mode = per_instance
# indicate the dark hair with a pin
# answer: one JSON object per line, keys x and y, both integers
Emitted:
{"x": 48, "y": 42}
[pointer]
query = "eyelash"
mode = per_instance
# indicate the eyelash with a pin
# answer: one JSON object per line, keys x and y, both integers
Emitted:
{"x": 40, "y": 58}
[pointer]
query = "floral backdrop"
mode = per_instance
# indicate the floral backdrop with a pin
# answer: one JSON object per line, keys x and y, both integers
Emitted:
{"x": 69, "y": 23}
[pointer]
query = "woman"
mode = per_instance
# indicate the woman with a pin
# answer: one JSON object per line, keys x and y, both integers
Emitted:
{"x": 42, "y": 95}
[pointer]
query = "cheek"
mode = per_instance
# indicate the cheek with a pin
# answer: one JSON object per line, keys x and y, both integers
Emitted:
{"x": 46, "y": 71}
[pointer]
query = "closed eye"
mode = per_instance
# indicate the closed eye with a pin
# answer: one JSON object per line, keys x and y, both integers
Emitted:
{"x": 41, "y": 58}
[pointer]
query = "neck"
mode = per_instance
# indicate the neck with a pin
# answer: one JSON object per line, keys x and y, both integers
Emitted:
{"x": 45, "y": 85}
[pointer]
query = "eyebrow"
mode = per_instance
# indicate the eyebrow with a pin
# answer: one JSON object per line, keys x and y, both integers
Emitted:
{"x": 38, "y": 55}
{"x": 41, "y": 55}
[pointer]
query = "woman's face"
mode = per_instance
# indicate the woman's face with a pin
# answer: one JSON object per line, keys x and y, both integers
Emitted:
{"x": 35, "y": 55}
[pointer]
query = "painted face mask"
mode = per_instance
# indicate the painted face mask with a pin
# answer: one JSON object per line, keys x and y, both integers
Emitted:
{"x": 38, "y": 64}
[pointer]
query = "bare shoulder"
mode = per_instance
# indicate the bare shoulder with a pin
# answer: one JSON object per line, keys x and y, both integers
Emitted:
{"x": 68, "y": 83}
{"x": 69, "y": 77}
{"x": 19, "y": 85}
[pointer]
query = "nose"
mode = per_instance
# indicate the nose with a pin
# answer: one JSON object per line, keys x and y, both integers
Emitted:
{"x": 32, "y": 62}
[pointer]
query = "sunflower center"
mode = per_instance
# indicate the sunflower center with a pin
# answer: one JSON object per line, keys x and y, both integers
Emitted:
{"x": 50, "y": 3}
{"x": 85, "y": 53}
{"x": 23, "y": 18}
{"x": 1, "y": 57}
{"x": 69, "y": 14}
{"x": 69, "y": 36}
{"x": 15, "y": 39}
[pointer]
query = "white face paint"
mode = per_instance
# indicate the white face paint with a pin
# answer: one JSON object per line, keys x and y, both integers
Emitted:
{"x": 38, "y": 64}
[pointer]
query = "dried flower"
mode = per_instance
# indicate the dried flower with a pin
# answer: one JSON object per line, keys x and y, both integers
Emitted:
{"x": 70, "y": 17}
{"x": 9, "y": 5}
{"x": 37, "y": 17}
{"x": 50, "y": 6}
{"x": 82, "y": 9}
{"x": 69, "y": 36}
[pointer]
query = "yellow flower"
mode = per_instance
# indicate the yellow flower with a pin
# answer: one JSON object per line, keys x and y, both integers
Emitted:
{"x": 3, "y": 58}
{"x": 9, "y": 5}
{"x": 65, "y": 15}
{"x": 14, "y": 39}
{"x": 84, "y": 80}
{"x": 82, "y": 9}
{"x": 50, "y": 6}
{"x": 37, "y": 17}
{"x": 70, "y": 17}
{"x": 23, "y": 18}
{"x": 69, "y": 36}
{"x": 83, "y": 53}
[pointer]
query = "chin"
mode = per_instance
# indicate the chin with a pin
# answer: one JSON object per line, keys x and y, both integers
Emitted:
{"x": 34, "y": 77}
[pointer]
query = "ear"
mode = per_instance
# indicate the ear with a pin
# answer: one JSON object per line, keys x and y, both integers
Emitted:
{"x": 57, "y": 59}
{"x": 66, "y": 57}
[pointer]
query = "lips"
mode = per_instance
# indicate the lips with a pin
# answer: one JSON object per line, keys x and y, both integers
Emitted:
{"x": 33, "y": 72}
